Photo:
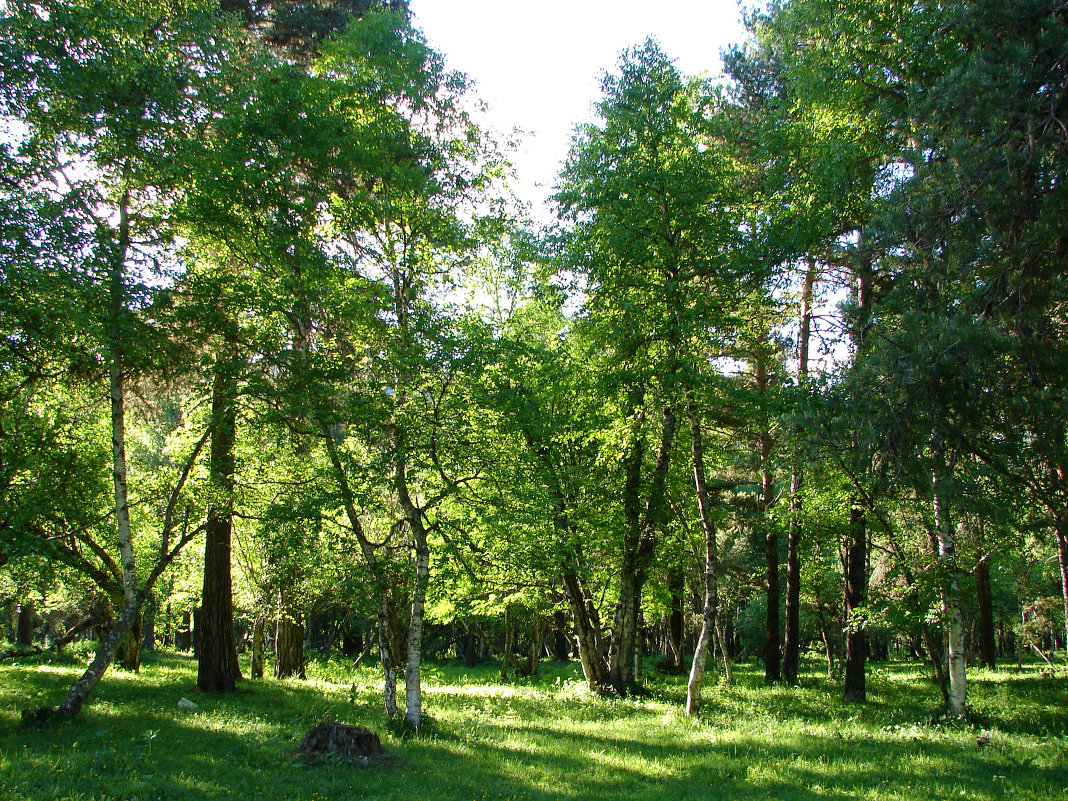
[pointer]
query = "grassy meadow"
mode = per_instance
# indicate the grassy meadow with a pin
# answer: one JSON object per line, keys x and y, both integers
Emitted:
{"x": 533, "y": 740}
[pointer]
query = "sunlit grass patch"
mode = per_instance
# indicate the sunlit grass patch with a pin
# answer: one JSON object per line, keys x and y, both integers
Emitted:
{"x": 539, "y": 739}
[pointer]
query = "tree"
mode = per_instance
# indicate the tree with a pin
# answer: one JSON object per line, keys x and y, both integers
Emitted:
{"x": 108, "y": 96}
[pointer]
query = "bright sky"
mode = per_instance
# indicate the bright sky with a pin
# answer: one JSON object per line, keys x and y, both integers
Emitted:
{"x": 538, "y": 63}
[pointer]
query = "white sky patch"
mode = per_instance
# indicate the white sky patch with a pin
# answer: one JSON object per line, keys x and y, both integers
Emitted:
{"x": 538, "y": 66}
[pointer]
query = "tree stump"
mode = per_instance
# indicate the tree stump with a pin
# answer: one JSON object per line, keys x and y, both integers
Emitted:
{"x": 353, "y": 743}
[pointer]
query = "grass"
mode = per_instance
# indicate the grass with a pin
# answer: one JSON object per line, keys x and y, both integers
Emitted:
{"x": 533, "y": 741}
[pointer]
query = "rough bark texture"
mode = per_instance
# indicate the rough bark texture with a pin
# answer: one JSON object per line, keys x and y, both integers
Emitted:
{"x": 128, "y": 652}
{"x": 855, "y": 593}
{"x": 289, "y": 640}
{"x": 217, "y": 668}
{"x": 24, "y": 626}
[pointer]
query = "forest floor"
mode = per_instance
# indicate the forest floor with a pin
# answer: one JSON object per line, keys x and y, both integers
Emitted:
{"x": 535, "y": 739}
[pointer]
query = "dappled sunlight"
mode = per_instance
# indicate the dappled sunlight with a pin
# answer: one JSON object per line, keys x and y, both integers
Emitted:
{"x": 527, "y": 741}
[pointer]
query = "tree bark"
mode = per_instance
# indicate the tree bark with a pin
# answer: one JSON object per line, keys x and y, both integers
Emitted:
{"x": 587, "y": 626}
{"x": 792, "y": 636}
{"x": 676, "y": 581}
{"x": 711, "y": 583}
{"x": 259, "y": 626}
{"x": 289, "y": 640}
{"x": 385, "y": 649}
{"x": 950, "y": 583}
{"x": 413, "y": 694}
{"x": 24, "y": 626}
{"x": 128, "y": 653}
{"x": 509, "y": 635}
{"x": 640, "y": 540}
{"x": 772, "y": 641}
{"x": 217, "y": 667}
{"x": 1061, "y": 530}
{"x": 984, "y": 596}
{"x": 855, "y": 595}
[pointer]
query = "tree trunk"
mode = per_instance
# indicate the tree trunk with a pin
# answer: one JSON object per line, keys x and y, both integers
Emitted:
{"x": 855, "y": 594}
{"x": 289, "y": 640}
{"x": 587, "y": 626}
{"x": 950, "y": 584}
{"x": 561, "y": 644}
{"x": 128, "y": 653}
{"x": 676, "y": 581}
{"x": 792, "y": 636}
{"x": 509, "y": 633}
{"x": 413, "y": 708}
{"x": 1061, "y": 530}
{"x": 711, "y": 599}
{"x": 217, "y": 668}
{"x": 721, "y": 641}
{"x": 987, "y": 639}
{"x": 772, "y": 641}
{"x": 259, "y": 633}
{"x": 389, "y": 663}
{"x": 537, "y": 645}
{"x": 24, "y": 626}
{"x": 468, "y": 647}
{"x": 105, "y": 652}
{"x": 640, "y": 540}
{"x": 625, "y": 620}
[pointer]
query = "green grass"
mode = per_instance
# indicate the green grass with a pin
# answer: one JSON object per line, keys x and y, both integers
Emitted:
{"x": 532, "y": 741}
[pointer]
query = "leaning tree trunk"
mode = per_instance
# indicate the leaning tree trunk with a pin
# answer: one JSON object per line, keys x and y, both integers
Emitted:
{"x": 855, "y": 593}
{"x": 387, "y": 654}
{"x": 105, "y": 652}
{"x": 217, "y": 668}
{"x": 389, "y": 664}
{"x": 711, "y": 600}
{"x": 587, "y": 626}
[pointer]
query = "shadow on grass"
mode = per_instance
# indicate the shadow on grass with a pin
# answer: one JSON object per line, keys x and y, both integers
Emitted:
{"x": 533, "y": 742}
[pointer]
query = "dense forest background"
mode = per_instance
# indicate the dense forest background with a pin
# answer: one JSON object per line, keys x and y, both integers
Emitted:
{"x": 285, "y": 366}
